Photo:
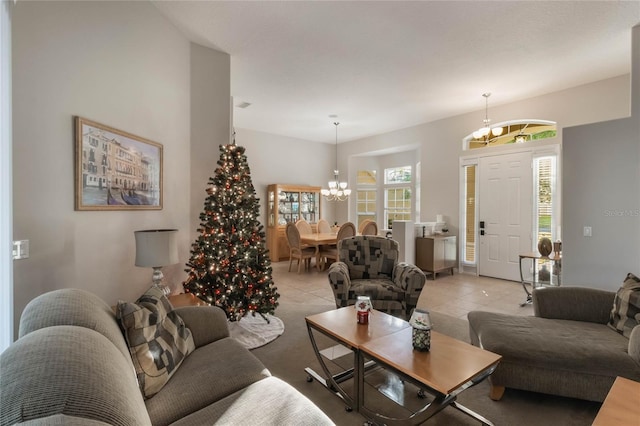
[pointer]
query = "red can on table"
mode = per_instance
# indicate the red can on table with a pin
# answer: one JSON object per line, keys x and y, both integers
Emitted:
{"x": 363, "y": 306}
{"x": 363, "y": 317}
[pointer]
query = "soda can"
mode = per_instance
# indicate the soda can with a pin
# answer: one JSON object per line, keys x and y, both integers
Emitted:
{"x": 363, "y": 306}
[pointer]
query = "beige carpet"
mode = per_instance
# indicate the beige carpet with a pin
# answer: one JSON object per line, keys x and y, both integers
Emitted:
{"x": 288, "y": 355}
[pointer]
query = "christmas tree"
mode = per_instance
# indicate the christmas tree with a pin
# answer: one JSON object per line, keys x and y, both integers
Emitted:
{"x": 229, "y": 266}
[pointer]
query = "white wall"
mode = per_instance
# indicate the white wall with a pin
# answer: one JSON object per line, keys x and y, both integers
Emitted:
{"x": 121, "y": 64}
{"x": 6, "y": 232}
{"x": 284, "y": 160}
{"x": 441, "y": 141}
{"x": 124, "y": 65}
{"x": 602, "y": 190}
{"x": 210, "y": 123}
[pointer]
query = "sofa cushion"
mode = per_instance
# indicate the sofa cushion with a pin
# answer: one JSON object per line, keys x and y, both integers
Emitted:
{"x": 73, "y": 306}
{"x": 568, "y": 345}
{"x": 69, "y": 373}
{"x": 209, "y": 374}
{"x": 269, "y": 402}
{"x": 625, "y": 314}
{"x": 63, "y": 420}
{"x": 157, "y": 337}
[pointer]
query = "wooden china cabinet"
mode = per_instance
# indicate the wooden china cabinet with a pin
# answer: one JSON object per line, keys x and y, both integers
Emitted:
{"x": 288, "y": 203}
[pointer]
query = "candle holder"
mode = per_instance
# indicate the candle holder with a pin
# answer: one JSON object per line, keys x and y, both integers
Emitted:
{"x": 421, "y": 335}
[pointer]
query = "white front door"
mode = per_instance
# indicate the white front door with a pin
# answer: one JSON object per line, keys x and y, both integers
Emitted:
{"x": 505, "y": 209}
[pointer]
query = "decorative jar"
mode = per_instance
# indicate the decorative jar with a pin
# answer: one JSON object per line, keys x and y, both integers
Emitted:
{"x": 421, "y": 334}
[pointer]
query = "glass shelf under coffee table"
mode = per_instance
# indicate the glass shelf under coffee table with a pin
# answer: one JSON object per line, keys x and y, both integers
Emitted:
{"x": 450, "y": 367}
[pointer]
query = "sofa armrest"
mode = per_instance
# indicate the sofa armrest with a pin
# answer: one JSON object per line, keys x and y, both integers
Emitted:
{"x": 634, "y": 344}
{"x": 207, "y": 323}
{"x": 573, "y": 303}
{"x": 411, "y": 279}
{"x": 340, "y": 283}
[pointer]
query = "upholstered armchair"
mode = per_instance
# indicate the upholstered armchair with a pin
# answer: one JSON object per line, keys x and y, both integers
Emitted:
{"x": 368, "y": 266}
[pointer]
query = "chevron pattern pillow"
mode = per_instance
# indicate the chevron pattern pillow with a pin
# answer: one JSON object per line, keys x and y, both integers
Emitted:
{"x": 625, "y": 314}
{"x": 157, "y": 337}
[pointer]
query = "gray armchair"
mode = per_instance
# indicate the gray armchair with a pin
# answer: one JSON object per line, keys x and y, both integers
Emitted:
{"x": 368, "y": 266}
{"x": 566, "y": 349}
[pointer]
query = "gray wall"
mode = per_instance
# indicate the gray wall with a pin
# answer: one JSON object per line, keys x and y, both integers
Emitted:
{"x": 601, "y": 184}
{"x": 124, "y": 65}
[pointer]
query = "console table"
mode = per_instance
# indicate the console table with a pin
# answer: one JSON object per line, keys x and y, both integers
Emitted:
{"x": 554, "y": 258}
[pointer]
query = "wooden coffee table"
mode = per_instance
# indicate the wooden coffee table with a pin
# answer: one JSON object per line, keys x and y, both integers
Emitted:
{"x": 341, "y": 325}
{"x": 449, "y": 368}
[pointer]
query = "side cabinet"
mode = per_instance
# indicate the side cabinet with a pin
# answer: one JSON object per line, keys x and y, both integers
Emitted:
{"x": 436, "y": 253}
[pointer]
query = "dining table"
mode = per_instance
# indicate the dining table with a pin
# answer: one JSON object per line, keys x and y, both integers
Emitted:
{"x": 317, "y": 240}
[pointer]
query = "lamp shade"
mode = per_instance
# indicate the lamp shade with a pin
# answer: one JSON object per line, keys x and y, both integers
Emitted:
{"x": 156, "y": 247}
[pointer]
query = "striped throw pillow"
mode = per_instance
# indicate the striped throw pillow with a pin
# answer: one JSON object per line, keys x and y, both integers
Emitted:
{"x": 625, "y": 314}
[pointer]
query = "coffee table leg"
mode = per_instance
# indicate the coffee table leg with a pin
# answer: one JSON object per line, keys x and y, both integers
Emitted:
{"x": 439, "y": 403}
{"x": 471, "y": 413}
{"x": 332, "y": 381}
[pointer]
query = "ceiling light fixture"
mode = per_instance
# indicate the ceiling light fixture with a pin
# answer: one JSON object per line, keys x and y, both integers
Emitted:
{"x": 486, "y": 132}
{"x": 337, "y": 190}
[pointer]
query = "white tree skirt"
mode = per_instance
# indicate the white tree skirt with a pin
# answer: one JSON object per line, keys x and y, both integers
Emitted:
{"x": 253, "y": 331}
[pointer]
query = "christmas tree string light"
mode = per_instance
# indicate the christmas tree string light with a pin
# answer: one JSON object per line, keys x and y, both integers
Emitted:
{"x": 229, "y": 266}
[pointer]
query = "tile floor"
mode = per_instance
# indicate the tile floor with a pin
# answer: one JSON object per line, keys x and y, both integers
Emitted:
{"x": 453, "y": 295}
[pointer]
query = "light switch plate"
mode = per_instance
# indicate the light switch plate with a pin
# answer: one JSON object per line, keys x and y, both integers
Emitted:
{"x": 20, "y": 249}
{"x": 587, "y": 231}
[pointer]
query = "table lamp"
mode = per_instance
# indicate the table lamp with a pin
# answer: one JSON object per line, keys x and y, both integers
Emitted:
{"x": 156, "y": 248}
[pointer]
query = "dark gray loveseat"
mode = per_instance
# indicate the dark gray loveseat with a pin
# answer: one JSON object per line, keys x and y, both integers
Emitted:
{"x": 566, "y": 349}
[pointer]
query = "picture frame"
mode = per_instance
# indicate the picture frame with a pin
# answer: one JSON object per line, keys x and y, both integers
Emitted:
{"x": 115, "y": 170}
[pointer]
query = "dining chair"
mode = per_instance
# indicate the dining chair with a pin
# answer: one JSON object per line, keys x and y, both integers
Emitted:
{"x": 324, "y": 227}
{"x": 304, "y": 227}
{"x": 370, "y": 228}
{"x": 296, "y": 249}
{"x": 347, "y": 230}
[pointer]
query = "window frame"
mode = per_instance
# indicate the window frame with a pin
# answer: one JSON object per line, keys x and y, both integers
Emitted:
{"x": 405, "y": 185}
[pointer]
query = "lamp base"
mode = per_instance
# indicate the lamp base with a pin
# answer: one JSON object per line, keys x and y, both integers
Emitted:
{"x": 157, "y": 278}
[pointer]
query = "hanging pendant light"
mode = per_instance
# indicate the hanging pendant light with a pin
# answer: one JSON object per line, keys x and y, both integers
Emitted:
{"x": 337, "y": 190}
{"x": 486, "y": 130}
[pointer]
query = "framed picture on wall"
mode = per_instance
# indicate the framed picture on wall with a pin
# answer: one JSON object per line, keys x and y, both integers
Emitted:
{"x": 115, "y": 170}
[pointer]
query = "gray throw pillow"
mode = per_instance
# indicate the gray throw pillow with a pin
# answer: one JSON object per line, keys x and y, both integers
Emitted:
{"x": 157, "y": 337}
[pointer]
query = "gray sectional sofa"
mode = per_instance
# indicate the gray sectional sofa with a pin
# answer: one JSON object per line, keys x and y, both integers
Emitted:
{"x": 566, "y": 349}
{"x": 72, "y": 365}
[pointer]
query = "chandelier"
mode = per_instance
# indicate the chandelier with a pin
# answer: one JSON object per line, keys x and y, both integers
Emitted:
{"x": 485, "y": 132}
{"x": 337, "y": 190}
